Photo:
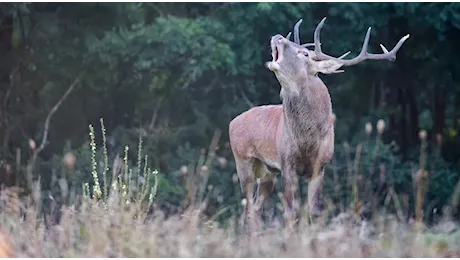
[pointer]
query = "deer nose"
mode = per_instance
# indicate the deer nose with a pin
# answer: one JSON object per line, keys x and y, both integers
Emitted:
{"x": 277, "y": 38}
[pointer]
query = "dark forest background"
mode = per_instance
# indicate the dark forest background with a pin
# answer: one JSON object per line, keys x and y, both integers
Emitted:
{"x": 174, "y": 73}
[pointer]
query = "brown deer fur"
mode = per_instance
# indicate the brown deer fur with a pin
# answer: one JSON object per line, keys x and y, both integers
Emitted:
{"x": 297, "y": 137}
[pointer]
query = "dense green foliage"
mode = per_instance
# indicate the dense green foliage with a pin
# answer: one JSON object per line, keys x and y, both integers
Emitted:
{"x": 172, "y": 73}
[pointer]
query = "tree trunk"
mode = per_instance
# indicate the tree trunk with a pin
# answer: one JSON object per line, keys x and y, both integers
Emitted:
{"x": 439, "y": 109}
{"x": 6, "y": 32}
{"x": 413, "y": 117}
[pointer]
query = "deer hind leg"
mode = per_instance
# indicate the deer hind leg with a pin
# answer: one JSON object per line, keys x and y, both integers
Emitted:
{"x": 264, "y": 189}
{"x": 245, "y": 171}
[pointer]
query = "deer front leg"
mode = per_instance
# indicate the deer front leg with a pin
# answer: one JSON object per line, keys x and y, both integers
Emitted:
{"x": 315, "y": 189}
{"x": 288, "y": 178}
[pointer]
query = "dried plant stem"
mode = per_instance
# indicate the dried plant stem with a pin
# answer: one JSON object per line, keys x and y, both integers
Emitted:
{"x": 337, "y": 184}
{"x": 350, "y": 176}
{"x": 197, "y": 179}
{"x": 33, "y": 160}
{"x": 378, "y": 142}
{"x": 106, "y": 159}
{"x": 355, "y": 188}
{"x": 421, "y": 181}
{"x": 399, "y": 209}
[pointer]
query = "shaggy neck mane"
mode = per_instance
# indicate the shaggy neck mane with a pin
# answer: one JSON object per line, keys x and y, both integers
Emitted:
{"x": 307, "y": 111}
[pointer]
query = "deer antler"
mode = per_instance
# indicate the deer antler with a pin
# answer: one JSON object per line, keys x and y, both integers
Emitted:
{"x": 297, "y": 37}
{"x": 296, "y": 32}
{"x": 363, "y": 55}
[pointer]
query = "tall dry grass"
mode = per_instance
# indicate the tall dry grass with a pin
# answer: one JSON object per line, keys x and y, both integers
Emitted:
{"x": 114, "y": 221}
{"x": 116, "y": 230}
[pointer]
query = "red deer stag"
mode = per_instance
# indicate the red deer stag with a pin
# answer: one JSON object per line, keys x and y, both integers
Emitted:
{"x": 295, "y": 138}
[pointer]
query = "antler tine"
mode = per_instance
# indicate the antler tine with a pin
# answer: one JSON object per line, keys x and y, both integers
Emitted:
{"x": 383, "y": 48}
{"x": 310, "y": 44}
{"x": 390, "y": 55}
{"x": 344, "y": 55}
{"x": 297, "y": 36}
{"x": 317, "y": 42}
{"x": 296, "y": 32}
{"x": 366, "y": 43}
{"x": 316, "y": 37}
{"x": 363, "y": 55}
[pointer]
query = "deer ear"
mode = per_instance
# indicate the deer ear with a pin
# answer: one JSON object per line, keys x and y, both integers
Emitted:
{"x": 328, "y": 66}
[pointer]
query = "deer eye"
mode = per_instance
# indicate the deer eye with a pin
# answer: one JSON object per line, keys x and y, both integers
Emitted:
{"x": 305, "y": 53}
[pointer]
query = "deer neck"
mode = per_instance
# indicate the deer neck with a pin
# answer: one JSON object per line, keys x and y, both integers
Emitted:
{"x": 307, "y": 110}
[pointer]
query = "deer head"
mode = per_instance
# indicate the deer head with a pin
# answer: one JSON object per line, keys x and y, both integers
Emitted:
{"x": 293, "y": 61}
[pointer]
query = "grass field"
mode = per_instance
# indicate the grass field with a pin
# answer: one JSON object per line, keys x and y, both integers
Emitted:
{"x": 116, "y": 230}
{"x": 113, "y": 221}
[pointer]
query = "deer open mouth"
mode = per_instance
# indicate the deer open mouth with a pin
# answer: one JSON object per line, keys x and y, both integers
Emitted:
{"x": 277, "y": 50}
{"x": 275, "y": 41}
{"x": 275, "y": 53}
